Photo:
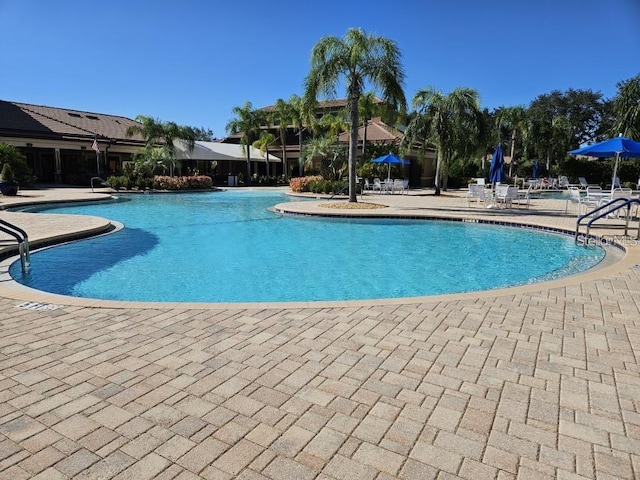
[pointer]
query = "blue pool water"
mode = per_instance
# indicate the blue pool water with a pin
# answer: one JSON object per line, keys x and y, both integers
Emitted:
{"x": 227, "y": 247}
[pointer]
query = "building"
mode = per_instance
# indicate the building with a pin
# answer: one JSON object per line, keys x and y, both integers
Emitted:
{"x": 421, "y": 171}
{"x": 57, "y": 142}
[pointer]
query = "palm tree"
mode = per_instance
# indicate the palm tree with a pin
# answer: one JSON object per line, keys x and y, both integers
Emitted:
{"x": 626, "y": 105}
{"x": 359, "y": 58}
{"x": 281, "y": 117}
{"x": 514, "y": 119}
{"x": 447, "y": 121}
{"x": 263, "y": 143}
{"x": 247, "y": 122}
{"x": 302, "y": 118}
{"x": 155, "y": 132}
{"x": 367, "y": 108}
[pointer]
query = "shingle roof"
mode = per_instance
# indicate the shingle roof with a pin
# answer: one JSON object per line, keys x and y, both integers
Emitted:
{"x": 377, "y": 131}
{"x": 21, "y": 119}
{"x": 323, "y": 104}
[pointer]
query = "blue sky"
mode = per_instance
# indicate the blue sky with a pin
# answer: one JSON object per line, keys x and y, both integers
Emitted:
{"x": 192, "y": 61}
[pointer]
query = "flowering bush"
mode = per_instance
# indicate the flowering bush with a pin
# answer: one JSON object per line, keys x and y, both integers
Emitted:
{"x": 196, "y": 182}
{"x": 301, "y": 184}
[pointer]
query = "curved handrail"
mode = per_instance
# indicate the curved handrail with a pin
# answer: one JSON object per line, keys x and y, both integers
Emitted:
{"x": 101, "y": 180}
{"x": 23, "y": 242}
{"x": 624, "y": 202}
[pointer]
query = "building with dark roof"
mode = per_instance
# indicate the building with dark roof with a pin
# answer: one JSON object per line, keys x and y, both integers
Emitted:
{"x": 57, "y": 142}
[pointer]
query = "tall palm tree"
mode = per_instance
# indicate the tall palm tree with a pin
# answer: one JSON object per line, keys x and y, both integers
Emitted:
{"x": 515, "y": 120}
{"x": 446, "y": 121}
{"x": 247, "y": 122}
{"x": 302, "y": 118}
{"x": 626, "y": 105}
{"x": 281, "y": 117}
{"x": 263, "y": 143}
{"x": 359, "y": 58}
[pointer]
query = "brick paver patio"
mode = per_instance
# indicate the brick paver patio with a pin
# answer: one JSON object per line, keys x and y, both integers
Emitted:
{"x": 530, "y": 384}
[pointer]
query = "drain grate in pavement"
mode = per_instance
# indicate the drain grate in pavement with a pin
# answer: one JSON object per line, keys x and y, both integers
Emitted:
{"x": 38, "y": 306}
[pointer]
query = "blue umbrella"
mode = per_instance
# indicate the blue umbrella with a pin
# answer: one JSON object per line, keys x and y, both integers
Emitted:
{"x": 618, "y": 147}
{"x": 536, "y": 169}
{"x": 495, "y": 170}
{"x": 390, "y": 159}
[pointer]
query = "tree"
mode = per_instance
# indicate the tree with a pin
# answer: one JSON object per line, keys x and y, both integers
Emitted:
{"x": 515, "y": 120}
{"x": 358, "y": 58}
{"x": 247, "y": 122}
{"x": 626, "y": 106}
{"x": 302, "y": 118}
{"x": 367, "y": 108}
{"x": 263, "y": 143}
{"x": 330, "y": 155}
{"x": 156, "y": 132}
{"x": 446, "y": 121}
{"x": 585, "y": 113}
{"x": 281, "y": 117}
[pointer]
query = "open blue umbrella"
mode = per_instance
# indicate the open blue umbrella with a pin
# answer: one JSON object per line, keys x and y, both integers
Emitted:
{"x": 495, "y": 169}
{"x": 618, "y": 147}
{"x": 390, "y": 159}
{"x": 536, "y": 169}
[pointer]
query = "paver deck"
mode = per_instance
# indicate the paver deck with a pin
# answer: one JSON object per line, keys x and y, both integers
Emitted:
{"x": 539, "y": 382}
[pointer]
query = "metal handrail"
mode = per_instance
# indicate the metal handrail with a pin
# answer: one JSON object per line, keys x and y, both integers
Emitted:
{"x": 23, "y": 243}
{"x": 623, "y": 202}
{"x": 101, "y": 180}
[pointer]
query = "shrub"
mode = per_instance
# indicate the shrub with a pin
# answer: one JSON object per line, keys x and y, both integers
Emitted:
{"x": 12, "y": 156}
{"x": 301, "y": 184}
{"x": 7, "y": 173}
{"x": 195, "y": 182}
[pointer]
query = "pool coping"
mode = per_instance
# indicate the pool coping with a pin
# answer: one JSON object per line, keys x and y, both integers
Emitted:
{"x": 16, "y": 291}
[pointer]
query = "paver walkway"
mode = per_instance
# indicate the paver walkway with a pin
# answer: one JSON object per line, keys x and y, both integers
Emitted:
{"x": 530, "y": 385}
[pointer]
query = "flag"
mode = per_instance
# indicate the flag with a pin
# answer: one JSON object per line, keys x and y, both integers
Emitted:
{"x": 95, "y": 145}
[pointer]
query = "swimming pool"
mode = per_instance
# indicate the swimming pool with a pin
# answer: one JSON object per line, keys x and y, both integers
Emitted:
{"x": 227, "y": 247}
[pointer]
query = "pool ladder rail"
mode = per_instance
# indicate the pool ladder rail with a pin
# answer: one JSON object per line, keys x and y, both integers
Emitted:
{"x": 607, "y": 211}
{"x": 23, "y": 243}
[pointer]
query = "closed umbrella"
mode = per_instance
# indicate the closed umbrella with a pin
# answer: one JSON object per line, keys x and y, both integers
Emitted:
{"x": 390, "y": 159}
{"x": 536, "y": 169}
{"x": 618, "y": 147}
{"x": 495, "y": 169}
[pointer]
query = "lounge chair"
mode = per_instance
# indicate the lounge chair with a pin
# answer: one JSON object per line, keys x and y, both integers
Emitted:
{"x": 405, "y": 185}
{"x": 584, "y": 184}
{"x": 563, "y": 182}
{"x": 377, "y": 185}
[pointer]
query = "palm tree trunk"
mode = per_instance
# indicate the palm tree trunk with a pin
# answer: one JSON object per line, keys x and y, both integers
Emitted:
{"x": 353, "y": 143}
{"x": 300, "y": 162}
{"x": 364, "y": 137}
{"x": 267, "y": 160}
{"x": 437, "y": 177}
{"x": 248, "y": 180}
{"x": 513, "y": 149}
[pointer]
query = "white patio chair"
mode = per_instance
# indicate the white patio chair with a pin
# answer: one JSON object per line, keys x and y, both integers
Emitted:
{"x": 377, "y": 185}
{"x": 505, "y": 194}
{"x": 405, "y": 185}
{"x": 574, "y": 198}
{"x": 398, "y": 185}
{"x": 478, "y": 193}
{"x": 525, "y": 196}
